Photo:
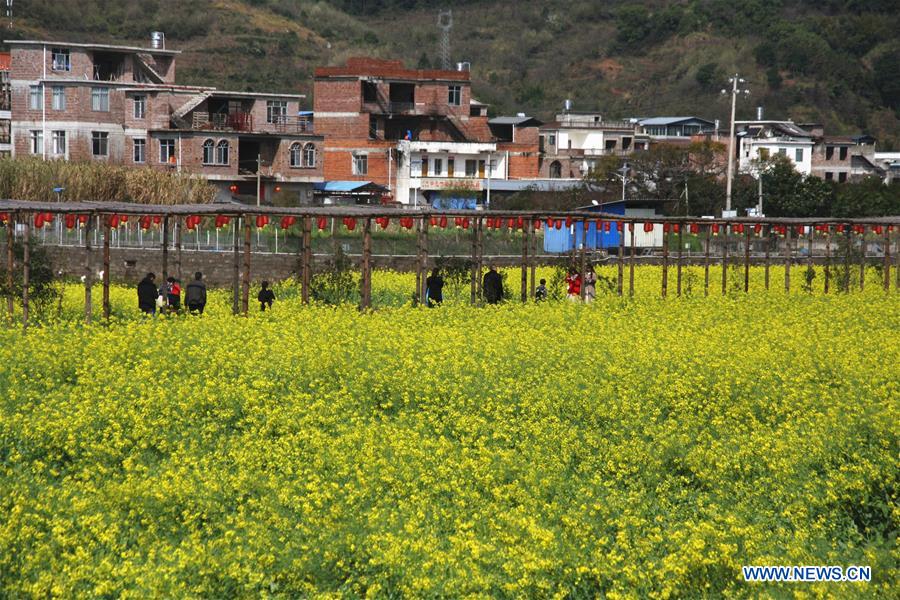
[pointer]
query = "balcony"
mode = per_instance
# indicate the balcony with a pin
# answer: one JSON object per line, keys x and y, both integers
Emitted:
{"x": 288, "y": 124}
{"x": 236, "y": 121}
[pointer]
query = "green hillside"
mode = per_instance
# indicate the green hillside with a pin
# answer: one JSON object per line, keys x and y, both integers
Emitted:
{"x": 831, "y": 61}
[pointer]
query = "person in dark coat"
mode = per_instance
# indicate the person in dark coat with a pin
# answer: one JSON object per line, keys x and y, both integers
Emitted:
{"x": 195, "y": 294}
{"x": 492, "y": 286}
{"x": 434, "y": 286}
{"x": 146, "y": 292}
{"x": 265, "y": 297}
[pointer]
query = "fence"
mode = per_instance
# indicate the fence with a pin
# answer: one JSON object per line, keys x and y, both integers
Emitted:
{"x": 98, "y": 224}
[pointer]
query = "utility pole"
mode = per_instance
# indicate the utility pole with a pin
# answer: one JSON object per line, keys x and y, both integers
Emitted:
{"x": 258, "y": 177}
{"x": 734, "y": 81}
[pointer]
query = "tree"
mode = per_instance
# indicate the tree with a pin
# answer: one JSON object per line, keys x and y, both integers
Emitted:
{"x": 787, "y": 193}
{"x": 868, "y": 198}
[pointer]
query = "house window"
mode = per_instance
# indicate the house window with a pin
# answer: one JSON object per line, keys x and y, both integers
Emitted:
{"x": 60, "y": 59}
{"x": 451, "y": 165}
{"x": 167, "y": 151}
{"x": 782, "y": 151}
{"x": 208, "y": 152}
{"x": 829, "y": 176}
{"x": 471, "y": 168}
{"x": 276, "y": 111}
{"x": 295, "y": 154}
{"x": 222, "y": 153}
{"x": 454, "y": 95}
{"x": 37, "y": 141}
{"x": 552, "y": 140}
{"x": 140, "y": 150}
{"x": 360, "y": 164}
{"x": 829, "y": 152}
{"x": 555, "y": 170}
{"x": 763, "y": 154}
{"x": 424, "y": 165}
{"x": 842, "y": 177}
{"x": 100, "y": 99}
{"x": 798, "y": 155}
{"x": 99, "y": 143}
{"x": 309, "y": 155}
{"x": 35, "y": 97}
{"x": 843, "y": 154}
{"x": 140, "y": 107}
{"x": 59, "y": 98}
{"x": 437, "y": 167}
{"x": 59, "y": 143}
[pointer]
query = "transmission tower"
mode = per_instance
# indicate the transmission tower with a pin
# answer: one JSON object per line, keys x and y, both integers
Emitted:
{"x": 445, "y": 23}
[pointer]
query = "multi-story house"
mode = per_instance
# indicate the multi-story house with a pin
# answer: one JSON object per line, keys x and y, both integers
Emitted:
{"x": 388, "y": 124}
{"x": 121, "y": 104}
{"x": 676, "y": 130}
{"x": 843, "y": 158}
{"x": 759, "y": 140}
{"x": 571, "y": 145}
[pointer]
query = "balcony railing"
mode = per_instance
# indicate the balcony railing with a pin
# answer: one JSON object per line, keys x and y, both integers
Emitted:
{"x": 289, "y": 124}
{"x": 236, "y": 121}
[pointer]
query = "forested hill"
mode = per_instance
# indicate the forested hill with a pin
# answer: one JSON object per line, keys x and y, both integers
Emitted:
{"x": 831, "y": 61}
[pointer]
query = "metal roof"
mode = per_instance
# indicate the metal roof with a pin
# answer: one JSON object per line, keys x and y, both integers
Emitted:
{"x": 670, "y": 120}
{"x": 511, "y": 120}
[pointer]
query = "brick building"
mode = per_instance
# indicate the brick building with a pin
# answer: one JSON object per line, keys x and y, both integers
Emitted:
{"x": 5, "y": 99}
{"x": 843, "y": 158}
{"x": 121, "y": 104}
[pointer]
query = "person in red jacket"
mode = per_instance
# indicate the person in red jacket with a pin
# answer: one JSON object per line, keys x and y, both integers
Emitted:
{"x": 573, "y": 281}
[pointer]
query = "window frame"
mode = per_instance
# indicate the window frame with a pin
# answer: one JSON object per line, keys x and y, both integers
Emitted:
{"x": 209, "y": 152}
{"x": 223, "y": 152}
{"x": 274, "y": 117}
{"x": 142, "y": 144}
{"x": 37, "y": 141}
{"x": 166, "y": 143}
{"x": 798, "y": 155}
{"x": 57, "y": 148}
{"x": 35, "y": 97}
{"x": 139, "y": 100}
{"x": 58, "y": 97}
{"x": 454, "y": 95}
{"x": 295, "y": 155}
{"x": 360, "y": 164}
{"x": 100, "y": 98}
{"x": 66, "y": 64}
{"x": 309, "y": 150}
{"x": 437, "y": 167}
{"x": 100, "y": 141}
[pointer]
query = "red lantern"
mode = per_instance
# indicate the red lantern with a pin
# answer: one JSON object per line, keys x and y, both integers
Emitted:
{"x": 631, "y": 227}
{"x": 648, "y": 227}
{"x": 537, "y": 224}
{"x": 123, "y": 218}
{"x": 800, "y": 229}
{"x": 145, "y": 222}
{"x": 840, "y": 228}
{"x": 559, "y": 224}
{"x": 568, "y": 222}
{"x": 606, "y": 226}
{"x": 715, "y": 229}
{"x": 550, "y": 223}
{"x": 321, "y": 223}
{"x": 82, "y": 219}
{"x": 114, "y": 221}
{"x": 4, "y": 217}
{"x": 350, "y": 223}
{"x": 860, "y": 229}
{"x": 434, "y": 221}
{"x": 70, "y": 221}
{"x": 738, "y": 228}
{"x": 465, "y": 223}
{"x": 878, "y": 229}
{"x": 757, "y": 229}
{"x": 665, "y": 228}
{"x": 695, "y": 228}
{"x": 277, "y": 189}
{"x": 443, "y": 222}
{"x": 620, "y": 226}
{"x": 520, "y": 223}
{"x": 39, "y": 220}
{"x": 233, "y": 188}
{"x": 511, "y": 223}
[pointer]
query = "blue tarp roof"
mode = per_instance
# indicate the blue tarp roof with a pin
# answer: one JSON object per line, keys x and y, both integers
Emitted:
{"x": 341, "y": 186}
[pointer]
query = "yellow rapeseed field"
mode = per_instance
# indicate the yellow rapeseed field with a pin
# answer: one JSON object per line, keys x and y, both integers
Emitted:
{"x": 640, "y": 447}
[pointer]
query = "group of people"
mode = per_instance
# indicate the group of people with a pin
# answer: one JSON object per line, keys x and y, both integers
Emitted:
{"x": 575, "y": 281}
{"x": 167, "y": 297}
{"x": 491, "y": 287}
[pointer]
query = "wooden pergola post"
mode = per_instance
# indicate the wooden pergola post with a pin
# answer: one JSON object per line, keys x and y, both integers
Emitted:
{"x": 620, "y": 281}
{"x": 827, "y": 257}
{"x": 862, "y": 259}
{"x": 768, "y": 247}
{"x": 365, "y": 300}
{"x": 747, "y": 259}
{"x": 678, "y": 257}
{"x": 631, "y": 262}
{"x": 525, "y": 241}
{"x": 787, "y": 258}
{"x": 165, "y": 248}
{"x": 848, "y": 239}
{"x": 423, "y": 258}
{"x": 106, "y": 234}
{"x": 307, "y": 259}
{"x": 583, "y": 265}
{"x": 725, "y": 259}
{"x": 245, "y": 300}
{"x": 476, "y": 260}
{"x": 10, "y": 261}
{"x": 26, "y": 266}
{"x": 236, "y": 267}
{"x": 887, "y": 258}
{"x": 667, "y": 233}
{"x": 178, "y": 248}
{"x": 420, "y": 296}
{"x": 88, "y": 272}
{"x": 809, "y": 247}
{"x": 532, "y": 237}
{"x": 706, "y": 261}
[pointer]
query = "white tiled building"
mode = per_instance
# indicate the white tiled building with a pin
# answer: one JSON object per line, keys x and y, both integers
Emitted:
{"x": 764, "y": 139}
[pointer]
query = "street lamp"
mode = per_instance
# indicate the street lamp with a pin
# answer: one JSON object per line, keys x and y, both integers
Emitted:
{"x": 623, "y": 173}
{"x": 734, "y": 81}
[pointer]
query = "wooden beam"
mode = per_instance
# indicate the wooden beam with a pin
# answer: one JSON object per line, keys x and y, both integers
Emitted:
{"x": 525, "y": 241}
{"x": 420, "y": 297}
{"x": 236, "y": 268}
{"x": 26, "y": 266}
{"x": 827, "y": 258}
{"x": 747, "y": 259}
{"x": 848, "y": 239}
{"x": 307, "y": 258}
{"x": 245, "y": 300}
{"x": 887, "y": 259}
{"x": 631, "y": 263}
{"x": 10, "y": 262}
{"x": 88, "y": 271}
{"x": 787, "y": 258}
{"x": 106, "y": 234}
{"x": 862, "y": 259}
{"x": 423, "y": 244}
{"x": 165, "y": 248}
{"x": 768, "y": 249}
{"x": 533, "y": 241}
{"x": 667, "y": 233}
{"x": 365, "y": 300}
{"x": 706, "y": 261}
{"x": 178, "y": 228}
{"x": 583, "y": 266}
{"x": 620, "y": 259}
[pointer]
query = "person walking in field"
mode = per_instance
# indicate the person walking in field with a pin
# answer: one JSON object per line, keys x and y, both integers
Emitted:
{"x": 434, "y": 289}
{"x": 573, "y": 281}
{"x": 265, "y": 297}
{"x": 173, "y": 295}
{"x": 195, "y": 294}
{"x": 540, "y": 294}
{"x": 492, "y": 286}
{"x": 590, "y": 285}
{"x": 146, "y": 293}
